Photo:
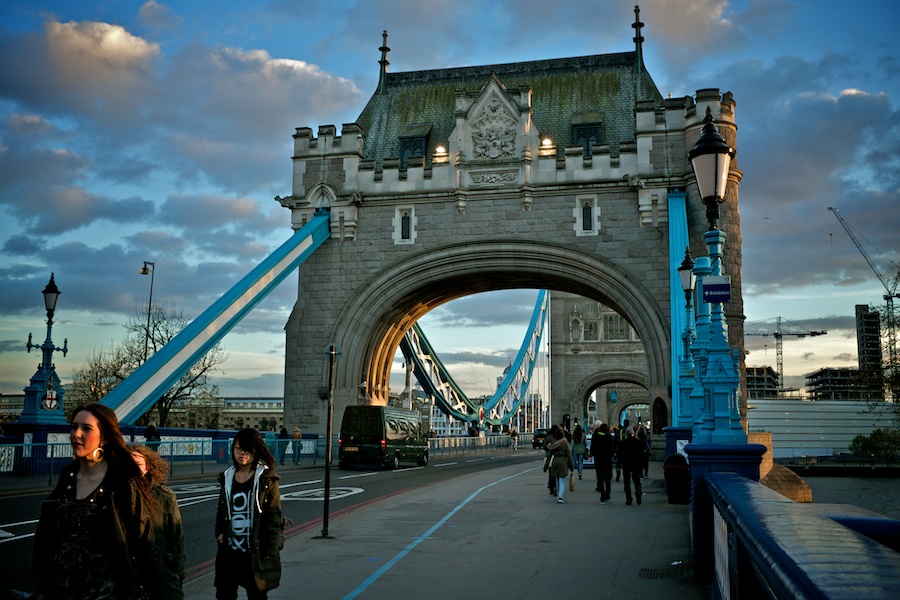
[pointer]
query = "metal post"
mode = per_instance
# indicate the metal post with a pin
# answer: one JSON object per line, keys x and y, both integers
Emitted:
{"x": 143, "y": 271}
{"x": 332, "y": 354}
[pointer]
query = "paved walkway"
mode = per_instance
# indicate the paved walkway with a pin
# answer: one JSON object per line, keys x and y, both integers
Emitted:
{"x": 497, "y": 533}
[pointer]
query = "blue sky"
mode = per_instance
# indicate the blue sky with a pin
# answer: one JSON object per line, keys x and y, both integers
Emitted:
{"x": 161, "y": 132}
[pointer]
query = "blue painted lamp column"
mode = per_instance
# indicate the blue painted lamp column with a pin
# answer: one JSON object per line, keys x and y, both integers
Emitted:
{"x": 719, "y": 441}
{"x": 44, "y": 396}
{"x": 699, "y": 399}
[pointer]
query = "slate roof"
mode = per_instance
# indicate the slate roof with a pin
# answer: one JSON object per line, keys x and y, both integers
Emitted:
{"x": 563, "y": 88}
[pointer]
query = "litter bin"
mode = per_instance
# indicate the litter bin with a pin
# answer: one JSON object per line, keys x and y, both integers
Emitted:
{"x": 678, "y": 479}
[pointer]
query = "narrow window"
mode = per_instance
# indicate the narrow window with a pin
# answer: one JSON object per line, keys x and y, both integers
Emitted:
{"x": 405, "y": 226}
{"x": 587, "y": 216}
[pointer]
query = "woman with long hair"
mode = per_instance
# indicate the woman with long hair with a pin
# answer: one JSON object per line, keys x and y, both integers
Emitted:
{"x": 561, "y": 452}
{"x": 168, "y": 532}
{"x": 579, "y": 449}
{"x": 248, "y": 521}
{"x": 94, "y": 539}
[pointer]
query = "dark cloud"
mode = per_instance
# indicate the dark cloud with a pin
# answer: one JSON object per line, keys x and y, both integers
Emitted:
{"x": 11, "y": 346}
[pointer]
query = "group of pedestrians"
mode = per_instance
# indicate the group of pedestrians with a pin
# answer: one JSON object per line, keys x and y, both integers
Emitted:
{"x": 111, "y": 529}
{"x": 628, "y": 448}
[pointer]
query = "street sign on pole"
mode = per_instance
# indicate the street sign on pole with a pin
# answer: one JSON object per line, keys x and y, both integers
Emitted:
{"x": 717, "y": 289}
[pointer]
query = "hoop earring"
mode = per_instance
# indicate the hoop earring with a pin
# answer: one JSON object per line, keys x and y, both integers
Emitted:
{"x": 97, "y": 455}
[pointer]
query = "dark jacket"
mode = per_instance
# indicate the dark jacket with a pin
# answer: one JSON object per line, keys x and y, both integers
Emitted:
{"x": 169, "y": 538}
{"x": 265, "y": 534}
{"x": 631, "y": 453}
{"x": 602, "y": 448}
{"x": 125, "y": 524}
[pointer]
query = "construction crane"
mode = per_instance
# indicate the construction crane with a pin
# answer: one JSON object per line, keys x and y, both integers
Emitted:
{"x": 889, "y": 288}
{"x": 779, "y": 334}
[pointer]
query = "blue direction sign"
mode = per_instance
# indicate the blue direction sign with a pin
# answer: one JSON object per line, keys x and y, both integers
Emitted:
{"x": 717, "y": 289}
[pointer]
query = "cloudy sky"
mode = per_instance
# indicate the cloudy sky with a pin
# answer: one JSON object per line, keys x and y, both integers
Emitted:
{"x": 161, "y": 132}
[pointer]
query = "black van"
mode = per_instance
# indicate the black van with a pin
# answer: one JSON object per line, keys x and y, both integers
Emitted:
{"x": 381, "y": 436}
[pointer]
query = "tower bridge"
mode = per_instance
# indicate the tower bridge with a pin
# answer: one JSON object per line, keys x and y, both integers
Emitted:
{"x": 566, "y": 174}
{"x": 570, "y": 175}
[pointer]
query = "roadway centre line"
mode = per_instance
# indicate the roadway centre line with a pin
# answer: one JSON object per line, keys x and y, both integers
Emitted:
{"x": 446, "y": 464}
{"x": 384, "y": 569}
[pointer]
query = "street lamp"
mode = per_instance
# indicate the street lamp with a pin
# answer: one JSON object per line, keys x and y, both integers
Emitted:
{"x": 711, "y": 159}
{"x": 688, "y": 279}
{"x": 686, "y": 375}
{"x": 43, "y": 398}
{"x": 152, "y": 272}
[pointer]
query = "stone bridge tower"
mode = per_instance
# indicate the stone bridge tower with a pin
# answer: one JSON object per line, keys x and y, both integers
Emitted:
{"x": 550, "y": 174}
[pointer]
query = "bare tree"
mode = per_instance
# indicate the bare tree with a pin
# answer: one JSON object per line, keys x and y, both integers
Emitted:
{"x": 204, "y": 411}
{"x": 104, "y": 371}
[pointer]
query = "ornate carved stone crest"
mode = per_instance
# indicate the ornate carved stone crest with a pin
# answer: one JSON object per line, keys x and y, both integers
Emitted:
{"x": 494, "y": 132}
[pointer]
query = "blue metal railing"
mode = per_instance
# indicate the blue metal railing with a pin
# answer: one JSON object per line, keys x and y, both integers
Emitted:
{"x": 768, "y": 546}
{"x": 38, "y": 465}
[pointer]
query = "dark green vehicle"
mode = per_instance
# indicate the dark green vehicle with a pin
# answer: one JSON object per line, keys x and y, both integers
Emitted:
{"x": 381, "y": 436}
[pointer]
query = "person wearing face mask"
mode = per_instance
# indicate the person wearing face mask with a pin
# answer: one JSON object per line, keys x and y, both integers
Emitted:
{"x": 94, "y": 538}
{"x": 168, "y": 532}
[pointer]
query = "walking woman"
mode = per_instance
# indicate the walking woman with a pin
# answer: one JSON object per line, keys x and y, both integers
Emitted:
{"x": 94, "y": 539}
{"x": 248, "y": 521}
{"x": 168, "y": 532}
{"x": 579, "y": 448}
{"x": 562, "y": 465}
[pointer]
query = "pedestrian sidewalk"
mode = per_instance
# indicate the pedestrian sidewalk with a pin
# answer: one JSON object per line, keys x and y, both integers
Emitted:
{"x": 494, "y": 533}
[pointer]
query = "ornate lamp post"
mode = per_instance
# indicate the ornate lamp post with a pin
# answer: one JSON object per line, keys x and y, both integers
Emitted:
{"x": 711, "y": 160}
{"x": 719, "y": 442}
{"x": 152, "y": 272}
{"x": 44, "y": 396}
{"x": 687, "y": 371}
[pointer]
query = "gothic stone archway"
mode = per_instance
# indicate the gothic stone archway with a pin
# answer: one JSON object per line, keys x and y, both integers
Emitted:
{"x": 550, "y": 174}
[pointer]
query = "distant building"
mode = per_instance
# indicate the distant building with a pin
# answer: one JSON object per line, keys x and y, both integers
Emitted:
{"x": 805, "y": 429}
{"x": 11, "y": 406}
{"x": 838, "y": 383}
{"x": 762, "y": 382}
{"x": 868, "y": 348}
{"x": 258, "y": 413}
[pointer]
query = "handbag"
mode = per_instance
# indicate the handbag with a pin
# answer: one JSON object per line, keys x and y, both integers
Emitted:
{"x": 572, "y": 481}
{"x": 547, "y": 462}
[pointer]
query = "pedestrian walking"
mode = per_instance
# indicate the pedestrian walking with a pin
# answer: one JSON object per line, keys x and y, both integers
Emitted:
{"x": 619, "y": 437}
{"x": 151, "y": 436}
{"x": 643, "y": 436}
{"x": 579, "y": 449}
{"x": 248, "y": 521}
{"x": 550, "y": 437}
{"x": 561, "y": 465}
{"x": 631, "y": 455}
{"x": 94, "y": 537}
{"x": 283, "y": 441}
{"x": 168, "y": 532}
{"x": 602, "y": 452}
{"x": 296, "y": 441}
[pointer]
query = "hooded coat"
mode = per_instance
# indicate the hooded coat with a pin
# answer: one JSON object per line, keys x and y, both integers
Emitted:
{"x": 265, "y": 532}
